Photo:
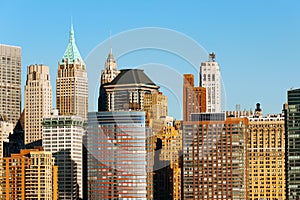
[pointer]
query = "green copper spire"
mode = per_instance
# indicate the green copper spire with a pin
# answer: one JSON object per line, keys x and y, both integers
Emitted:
{"x": 71, "y": 54}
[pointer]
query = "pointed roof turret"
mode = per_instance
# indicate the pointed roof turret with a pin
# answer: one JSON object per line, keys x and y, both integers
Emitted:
{"x": 71, "y": 54}
{"x": 110, "y": 57}
{"x": 111, "y": 63}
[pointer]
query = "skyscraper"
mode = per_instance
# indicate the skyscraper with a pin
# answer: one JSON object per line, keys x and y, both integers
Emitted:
{"x": 31, "y": 174}
{"x": 266, "y": 156}
{"x": 214, "y": 157}
{"x": 210, "y": 78}
{"x": 10, "y": 83}
{"x": 72, "y": 82}
{"x": 167, "y": 160}
{"x": 293, "y": 145}
{"x": 118, "y": 156}
{"x": 156, "y": 104}
{"x": 110, "y": 71}
{"x": 63, "y": 137}
{"x": 107, "y": 75}
{"x": 127, "y": 91}
{"x": 38, "y": 101}
{"x": 194, "y": 98}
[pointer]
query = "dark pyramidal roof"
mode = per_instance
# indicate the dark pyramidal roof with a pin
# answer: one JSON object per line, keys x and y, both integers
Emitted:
{"x": 132, "y": 76}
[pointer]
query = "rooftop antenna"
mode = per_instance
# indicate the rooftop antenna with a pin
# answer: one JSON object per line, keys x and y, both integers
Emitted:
{"x": 212, "y": 57}
{"x": 110, "y": 43}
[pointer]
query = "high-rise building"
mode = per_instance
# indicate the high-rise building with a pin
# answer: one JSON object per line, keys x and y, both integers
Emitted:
{"x": 38, "y": 101}
{"x": 194, "y": 98}
{"x": 31, "y": 174}
{"x": 127, "y": 91}
{"x": 155, "y": 105}
{"x": 107, "y": 75}
{"x": 266, "y": 156}
{"x": 72, "y": 82}
{"x": 167, "y": 160}
{"x": 214, "y": 157}
{"x": 63, "y": 137}
{"x": 119, "y": 155}
{"x": 10, "y": 83}
{"x": 210, "y": 78}
{"x": 293, "y": 145}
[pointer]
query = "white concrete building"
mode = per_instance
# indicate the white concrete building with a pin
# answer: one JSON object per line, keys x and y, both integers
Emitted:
{"x": 63, "y": 135}
{"x": 210, "y": 78}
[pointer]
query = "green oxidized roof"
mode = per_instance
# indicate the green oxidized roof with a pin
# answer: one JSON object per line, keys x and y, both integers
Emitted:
{"x": 71, "y": 52}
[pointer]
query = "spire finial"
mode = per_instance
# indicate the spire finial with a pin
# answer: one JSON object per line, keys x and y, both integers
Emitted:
{"x": 72, "y": 39}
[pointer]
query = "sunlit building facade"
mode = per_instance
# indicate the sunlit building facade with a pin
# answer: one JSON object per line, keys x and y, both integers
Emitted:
{"x": 72, "y": 82}
{"x": 214, "y": 157}
{"x": 266, "y": 157}
{"x": 167, "y": 159}
{"x": 63, "y": 137}
{"x": 38, "y": 101}
{"x": 31, "y": 174}
{"x": 210, "y": 78}
{"x": 194, "y": 98}
{"x": 10, "y": 83}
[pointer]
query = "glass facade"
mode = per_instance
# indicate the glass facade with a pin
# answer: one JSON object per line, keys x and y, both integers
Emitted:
{"x": 119, "y": 155}
{"x": 293, "y": 144}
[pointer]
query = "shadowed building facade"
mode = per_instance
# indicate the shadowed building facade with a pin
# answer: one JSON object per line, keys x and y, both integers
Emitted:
{"x": 127, "y": 91}
{"x": 107, "y": 75}
{"x": 167, "y": 158}
{"x": 293, "y": 145}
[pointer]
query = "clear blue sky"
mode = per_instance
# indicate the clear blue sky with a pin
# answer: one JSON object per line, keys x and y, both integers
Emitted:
{"x": 257, "y": 42}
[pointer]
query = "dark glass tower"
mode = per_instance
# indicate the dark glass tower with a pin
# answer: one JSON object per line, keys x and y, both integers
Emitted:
{"x": 293, "y": 144}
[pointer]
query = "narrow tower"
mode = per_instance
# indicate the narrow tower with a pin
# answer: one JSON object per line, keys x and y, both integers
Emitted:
{"x": 107, "y": 75}
{"x": 210, "y": 78}
{"x": 72, "y": 82}
{"x": 38, "y": 101}
{"x": 110, "y": 71}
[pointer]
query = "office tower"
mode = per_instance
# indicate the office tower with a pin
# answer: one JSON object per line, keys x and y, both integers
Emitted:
{"x": 38, "y": 101}
{"x": 167, "y": 160}
{"x": 194, "y": 98}
{"x": 107, "y": 75}
{"x": 119, "y": 152}
{"x": 210, "y": 78}
{"x": 266, "y": 156}
{"x": 10, "y": 82}
{"x": 293, "y": 145}
{"x": 72, "y": 82}
{"x": 156, "y": 104}
{"x": 31, "y": 174}
{"x": 63, "y": 137}
{"x": 127, "y": 91}
{"x": 214, "y": 157}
